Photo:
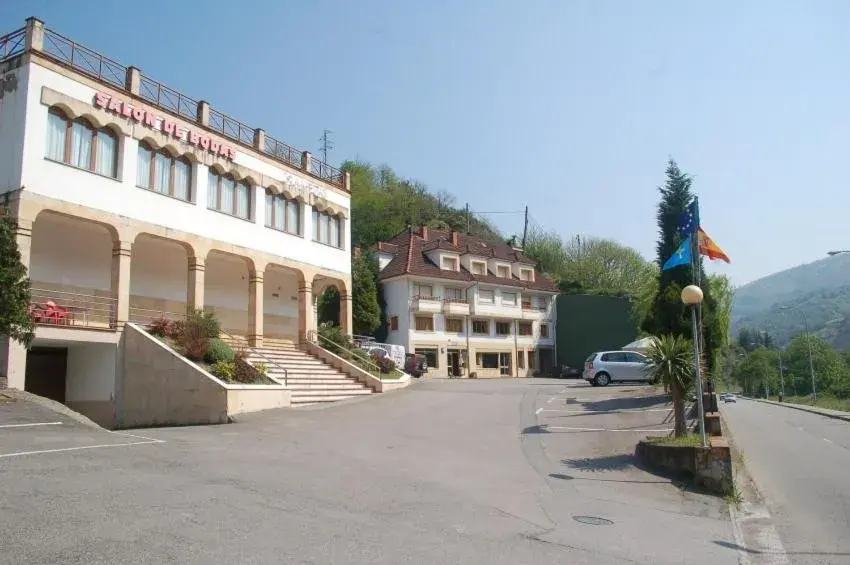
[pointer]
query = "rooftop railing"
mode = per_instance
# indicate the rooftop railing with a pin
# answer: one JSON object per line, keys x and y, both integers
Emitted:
{"x": 63, "y": 50}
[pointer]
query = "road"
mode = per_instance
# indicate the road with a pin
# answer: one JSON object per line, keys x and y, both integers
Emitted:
{"x": 800, "y": 462}
{"x": 466, "y": 472}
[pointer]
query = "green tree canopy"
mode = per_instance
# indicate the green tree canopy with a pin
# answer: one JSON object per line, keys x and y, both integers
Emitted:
{"x": 15, "y": 320}
{"x": 366, "y": 310}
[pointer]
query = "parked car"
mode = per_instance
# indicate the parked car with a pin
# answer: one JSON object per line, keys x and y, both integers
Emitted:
{"x": 728, "y": 397}
{"x": 605, "y": 367}
{"x": 415, "y": 365}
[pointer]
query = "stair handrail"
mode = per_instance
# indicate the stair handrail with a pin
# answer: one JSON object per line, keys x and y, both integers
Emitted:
{"x": 260, "y": 354}
{"x": 317, "y": 339}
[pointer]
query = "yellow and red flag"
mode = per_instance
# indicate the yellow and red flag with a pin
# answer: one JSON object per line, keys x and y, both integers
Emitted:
{"x": 710, "y": 249}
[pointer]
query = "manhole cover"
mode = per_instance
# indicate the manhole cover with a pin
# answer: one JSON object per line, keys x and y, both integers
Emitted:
{"x": 593, "y": 520}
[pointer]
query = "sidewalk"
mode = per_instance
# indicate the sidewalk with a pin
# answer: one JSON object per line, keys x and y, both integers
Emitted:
{"x": 837, "y": 414}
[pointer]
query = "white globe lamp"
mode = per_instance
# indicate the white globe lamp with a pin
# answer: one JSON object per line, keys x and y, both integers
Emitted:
{"x": 692, "y": 295}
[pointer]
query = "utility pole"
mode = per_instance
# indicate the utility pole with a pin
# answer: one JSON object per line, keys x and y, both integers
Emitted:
{"x": 811, "y": 364}
{"x": 327, "y": 144}
{"x": 525, "y": 227}
{"x": 781, "y": 377}
{"x": 468, "y": 221}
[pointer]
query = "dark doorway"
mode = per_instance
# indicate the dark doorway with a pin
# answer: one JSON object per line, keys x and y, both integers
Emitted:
{"x": 546, "y": 360}
{"x": 453, "y": 362}
{"x": 46, "y": 370}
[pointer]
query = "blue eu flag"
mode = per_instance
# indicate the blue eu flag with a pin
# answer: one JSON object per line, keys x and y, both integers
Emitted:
{"x": 682, "y": 256}
{"x": 689, "y": 221}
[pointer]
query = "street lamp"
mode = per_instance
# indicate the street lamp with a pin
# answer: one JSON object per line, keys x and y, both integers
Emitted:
{"x": 809, "y": 343}
{"x": 692, "y": 296}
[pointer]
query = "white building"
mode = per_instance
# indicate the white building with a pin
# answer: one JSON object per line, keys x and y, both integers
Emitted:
{"x": 469, "y": 306}
{"x": 134, "y": 201}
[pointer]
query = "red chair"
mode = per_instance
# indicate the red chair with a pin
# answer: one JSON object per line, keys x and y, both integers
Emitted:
{"x": 56, "y": 314}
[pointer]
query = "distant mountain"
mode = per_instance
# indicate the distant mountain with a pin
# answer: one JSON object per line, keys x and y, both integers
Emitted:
{"x": 778, "y": 302}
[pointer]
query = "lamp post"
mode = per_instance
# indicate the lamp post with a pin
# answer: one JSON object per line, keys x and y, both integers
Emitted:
{"x": 692, "y": 297}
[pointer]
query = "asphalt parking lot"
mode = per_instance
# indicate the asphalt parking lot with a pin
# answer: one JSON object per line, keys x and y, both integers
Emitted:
{"x": 443, "y": 472}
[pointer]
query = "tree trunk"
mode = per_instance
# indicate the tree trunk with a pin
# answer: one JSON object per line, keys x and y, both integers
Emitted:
{"x": 681, "y": 425}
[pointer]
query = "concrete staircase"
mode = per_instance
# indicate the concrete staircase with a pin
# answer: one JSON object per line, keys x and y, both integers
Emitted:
{"x": 310, "y": 379}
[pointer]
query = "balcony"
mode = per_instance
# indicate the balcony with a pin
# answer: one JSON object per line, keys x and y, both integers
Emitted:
{"x": 497, "y": 310}
{"x": 455, "y": 307}
{"x": 72, "y": 310}
{"x": 427, "y": 304}
{"x": 530, "y": 312}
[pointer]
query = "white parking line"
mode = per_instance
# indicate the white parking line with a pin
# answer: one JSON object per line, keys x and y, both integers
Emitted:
{"x": 827, "y": 440}
{"x": 627, "y": 410}
{"x": 606, "y": 429}
{"x": 539, "y": 410}
{"x": 30, "y": 425}
{"x": 145, "y": 441}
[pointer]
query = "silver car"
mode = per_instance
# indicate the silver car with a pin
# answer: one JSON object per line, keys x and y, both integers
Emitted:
{"x": 606, "y": 367}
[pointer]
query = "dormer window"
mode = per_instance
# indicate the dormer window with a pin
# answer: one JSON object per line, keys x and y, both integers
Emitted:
{"x": 526, "y": 275}
{"x": 478, "y": 267}
{"x": 448, "y": 263}
{"x": 503, "y": 272}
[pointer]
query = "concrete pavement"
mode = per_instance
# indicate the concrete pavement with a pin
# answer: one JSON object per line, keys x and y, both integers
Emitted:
{"x": 800, "y": 463}
{"x": 444, "y": 472}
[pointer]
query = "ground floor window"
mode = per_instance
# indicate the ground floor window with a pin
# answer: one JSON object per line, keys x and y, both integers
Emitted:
{"x": 520, "y": 359}
{"x": 430, "y": 356}
{"x": 487, "y": 360}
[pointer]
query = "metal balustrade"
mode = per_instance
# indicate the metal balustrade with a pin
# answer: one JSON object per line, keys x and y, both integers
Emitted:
{"x": 70, "y": 309}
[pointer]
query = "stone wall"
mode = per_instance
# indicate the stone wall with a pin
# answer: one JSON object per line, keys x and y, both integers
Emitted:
{"x": 709, "y": 467}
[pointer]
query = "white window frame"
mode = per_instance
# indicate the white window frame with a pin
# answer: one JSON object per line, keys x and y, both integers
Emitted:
{"x": 512, "y": 302}
{"x": 474, "y": 264}
{"x": 483, "y": 300}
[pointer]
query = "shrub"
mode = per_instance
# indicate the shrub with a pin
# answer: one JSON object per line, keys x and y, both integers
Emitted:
{"x": 262, "y": 369}
{"x": 207, "y": 321}
{"x": 217, "y": 351}
{"x": 193, "y": 340}
{"x": 161, "y": 327}
{"x": 225, "y": 370}
{"x": 333, "y": 336}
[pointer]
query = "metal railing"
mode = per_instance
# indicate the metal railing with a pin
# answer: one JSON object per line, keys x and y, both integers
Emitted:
{"x": 145, "y": 316}
{"x": 253, "y": 351}
{"x": 13, "y": 44}
{"x": 456, "y": 300}
{"x": 283, "y": 152}
{"x": 84, "y": 59}
{"x": 167, "y": 98}
{"x": 326, "y": 172}
{"x": 230, "y": 127}
{"x": 70, "y": 309}
{"x": 360, "y": 360}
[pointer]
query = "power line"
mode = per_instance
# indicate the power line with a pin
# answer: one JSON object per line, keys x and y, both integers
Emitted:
{"x": 326, "y": 144}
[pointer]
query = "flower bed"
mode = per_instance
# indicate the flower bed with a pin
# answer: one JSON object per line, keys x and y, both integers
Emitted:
{"x": 198, "y": 339}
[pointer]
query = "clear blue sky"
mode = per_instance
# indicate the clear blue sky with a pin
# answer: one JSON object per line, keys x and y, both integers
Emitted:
{"x": 571, "y": 107}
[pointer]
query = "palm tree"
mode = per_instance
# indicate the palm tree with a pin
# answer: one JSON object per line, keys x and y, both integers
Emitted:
{"x": 671, "y": 363}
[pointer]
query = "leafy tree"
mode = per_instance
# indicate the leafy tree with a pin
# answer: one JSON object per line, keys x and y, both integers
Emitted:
{"x": 759, "y": 372}
{"x": 671, "y": 363}
{"x": 328, "y": 307}
{"x": 831, "y": 372}
{"x": 15, "y": 320}
{"x": 366, "y": 310}
{"x": 668, "y": 315}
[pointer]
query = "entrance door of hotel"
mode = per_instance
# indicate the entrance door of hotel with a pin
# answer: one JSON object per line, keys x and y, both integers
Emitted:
{"x": 505, "y": 364}
{"x": 45, "y": 373}
{"x": 453, "y": 362}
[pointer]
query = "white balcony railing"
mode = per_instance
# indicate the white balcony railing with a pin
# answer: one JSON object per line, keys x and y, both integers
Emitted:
{"x": 429, "y": 304}
{"x": 455, "y": 307}
{"x": 70, "y": 309}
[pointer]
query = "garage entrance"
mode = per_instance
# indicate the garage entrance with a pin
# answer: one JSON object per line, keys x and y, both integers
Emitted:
{"x": 46, "y": 372}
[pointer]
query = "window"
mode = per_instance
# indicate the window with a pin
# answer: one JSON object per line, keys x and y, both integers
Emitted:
{"x": 614, "y": 356}
{"x": 504, "y": 364}
{"x": 544, "y": 330}
{"x": 542, "y": 303}
{"x": 227, "y": 195}
{"x": 327, "y": 229}
{"x": 79, "y": 144}
{"x": 509, "y": 298}
{"x": 423, "y": 290}
{"x": 479, "y": 268}
{"x": 454, "y": 325}
{"x": 520, "y": 359}
{"x": 526, "y": 304}
{"x": 525, "y": 328}
{"x": 485, "y": 296}
{"x": 394, "y": 323}
{"x": 160, "y": 172}
{"x": 453, "y": 293}
{"x": 633, "y": 357}
{"x": 503, "y": 272}
{"x": 503, "y": 328}
{"x": 424, "y": 323}
{"x": 448, "y": 263}
{"x": 481, "y": 327}
{"x": 526, "y": 275}
{"x": 487, "y": 360}
{"x": 283, "y": 214}
{"x": 430, "y": 355}
{"x": 531, "y": 357}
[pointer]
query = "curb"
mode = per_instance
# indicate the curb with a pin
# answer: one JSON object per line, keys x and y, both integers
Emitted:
{"x": 803, "y": 408}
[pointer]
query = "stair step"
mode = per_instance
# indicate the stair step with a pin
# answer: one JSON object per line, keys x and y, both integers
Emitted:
{"x": 309, "y": 382}
{"x": 329, "y": 392}
{"x": 344, "y": 387}
{"x": 315, "y": 399}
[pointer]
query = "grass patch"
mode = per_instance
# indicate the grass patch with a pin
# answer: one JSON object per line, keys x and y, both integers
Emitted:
{"x": 823, "y": 401}
{"x": 690, "y": 440}
{"x": 734, "y": 498}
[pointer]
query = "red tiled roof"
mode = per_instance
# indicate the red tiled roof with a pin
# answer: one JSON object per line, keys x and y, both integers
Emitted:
{"x": 409, "y": 258}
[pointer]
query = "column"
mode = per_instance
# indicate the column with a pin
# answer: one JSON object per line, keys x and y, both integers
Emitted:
{"x": 195, "y": 292}
{"x": 306, "y": 310}
{"x": 255, "y": 309}
{"x": 346, "y": 320}
{"x": 13, "y": 354}
{"x": 35, "y": 34}
{"x": 121, "y": 282}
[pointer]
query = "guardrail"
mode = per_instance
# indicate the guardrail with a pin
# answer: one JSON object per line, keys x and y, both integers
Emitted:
{"x": 13, "y": 44}
{"x": 84, "y": 59}
{"x": 361, "y": 361}
{"x": 70, "y": 309}
{"x": 145, "y": 316}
